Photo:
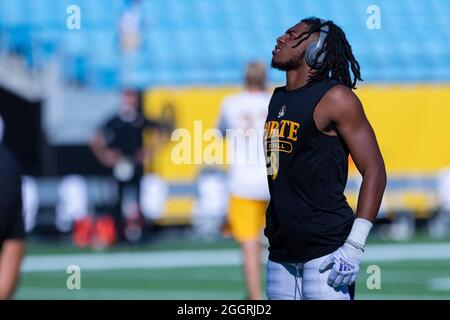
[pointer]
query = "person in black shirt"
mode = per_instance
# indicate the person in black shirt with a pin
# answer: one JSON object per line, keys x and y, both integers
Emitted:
{"x": 313, "y": 124}
{"x": 118, "y": 145}
{"x": 12, "y": 231}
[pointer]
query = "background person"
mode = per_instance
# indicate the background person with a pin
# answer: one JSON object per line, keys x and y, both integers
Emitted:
{"x": 12, "y": 231}
{"x": 246, "y": 112}
{"x": 118, "y": 145}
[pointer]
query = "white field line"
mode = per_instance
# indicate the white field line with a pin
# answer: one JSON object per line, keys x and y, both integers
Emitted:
{"x": 202, "y": 258}
{"x": 440, "y": 284}
{"x": 404, "y": 252}
{"x": 197, "y": 275}
{"x": 104, "y": 261}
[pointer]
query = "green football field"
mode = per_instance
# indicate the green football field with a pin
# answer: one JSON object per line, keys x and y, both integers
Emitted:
{"x": 417, "y": 270}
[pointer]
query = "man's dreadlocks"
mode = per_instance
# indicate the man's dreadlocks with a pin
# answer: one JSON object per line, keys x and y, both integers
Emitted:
{"x": 338, "y": 54}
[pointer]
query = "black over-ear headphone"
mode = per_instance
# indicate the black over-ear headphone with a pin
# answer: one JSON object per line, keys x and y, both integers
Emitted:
{"x": 314, "y": 48}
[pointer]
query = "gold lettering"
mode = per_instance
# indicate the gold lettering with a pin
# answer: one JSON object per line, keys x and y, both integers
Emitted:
{"x": 293, "y": 129}
{"x": 273, "y": 132}
{"x": 283, "y": 125}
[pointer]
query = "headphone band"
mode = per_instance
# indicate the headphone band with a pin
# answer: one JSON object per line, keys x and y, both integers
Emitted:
{"x": 323, "y": 34}
{"x": 312, "y": 58}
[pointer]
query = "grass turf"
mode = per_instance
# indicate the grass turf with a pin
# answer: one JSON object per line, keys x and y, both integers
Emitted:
{"x": 421, "y": 279}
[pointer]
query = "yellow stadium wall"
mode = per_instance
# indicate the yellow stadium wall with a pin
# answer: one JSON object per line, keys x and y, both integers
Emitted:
{"x": 192, "y": 104}
{"x": 412, "y": 124}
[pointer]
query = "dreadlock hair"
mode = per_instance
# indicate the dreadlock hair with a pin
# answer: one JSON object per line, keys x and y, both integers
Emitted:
{"x": 338, "y": 54}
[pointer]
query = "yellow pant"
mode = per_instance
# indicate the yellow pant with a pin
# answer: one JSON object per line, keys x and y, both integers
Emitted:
{"x": 246, "y": 218}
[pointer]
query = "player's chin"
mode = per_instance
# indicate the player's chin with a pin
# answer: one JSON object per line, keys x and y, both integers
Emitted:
{"x": 277, "y": 64}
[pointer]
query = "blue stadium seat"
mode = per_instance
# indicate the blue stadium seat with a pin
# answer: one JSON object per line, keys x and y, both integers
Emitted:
{"x": 209, "y": 42}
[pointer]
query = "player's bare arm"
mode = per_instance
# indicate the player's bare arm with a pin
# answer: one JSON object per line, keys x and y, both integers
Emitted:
{"x": 340, "y": 112}
{"x": 10, "y": 260}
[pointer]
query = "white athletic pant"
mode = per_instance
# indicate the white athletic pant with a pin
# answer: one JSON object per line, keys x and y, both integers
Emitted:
{"x": 302, "y": 281}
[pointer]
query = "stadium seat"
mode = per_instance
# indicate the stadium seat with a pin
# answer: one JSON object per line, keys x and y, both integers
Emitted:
{"x": 205, "y": 42}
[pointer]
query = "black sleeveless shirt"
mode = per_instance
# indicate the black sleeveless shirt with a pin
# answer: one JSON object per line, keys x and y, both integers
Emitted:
{"x": 308, "y": 215}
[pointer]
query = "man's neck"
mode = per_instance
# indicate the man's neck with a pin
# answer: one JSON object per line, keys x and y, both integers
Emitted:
{"x": 128, "y": 115}
{"x": 252, "y": 89}
{"x": 297, "y": 78}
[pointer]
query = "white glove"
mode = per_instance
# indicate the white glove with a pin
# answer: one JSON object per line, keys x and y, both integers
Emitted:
{"x": 344, "y": 264}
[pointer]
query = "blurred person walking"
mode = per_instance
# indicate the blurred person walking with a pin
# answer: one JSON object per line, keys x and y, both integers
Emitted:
{"x": 130, "y": 27}
{"x": 246, "y": 113}
{"x": 12, "y": 231}
{"x": 118, "y": 144}
{"x": 130, "y": 30}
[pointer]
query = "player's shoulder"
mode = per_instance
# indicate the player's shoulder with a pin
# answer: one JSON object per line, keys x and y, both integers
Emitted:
{"x": 341, "y": 100}
{"x": 113, "y": 121}
{"x": 231, "y": 99}
{"x": 341, "y": 94}
{"x": 242, "y": 95}
{"x": 152, "y": 123}
{"x": 279, "y": 90}
{"x": 228, "y": 105}
{"x": 241, "y": 99}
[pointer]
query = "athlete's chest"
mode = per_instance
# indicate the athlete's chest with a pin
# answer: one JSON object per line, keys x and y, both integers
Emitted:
{"x": 289, "y": 118}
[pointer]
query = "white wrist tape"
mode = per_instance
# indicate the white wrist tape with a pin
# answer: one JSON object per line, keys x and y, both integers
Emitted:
{"x": 360, "y": 231}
